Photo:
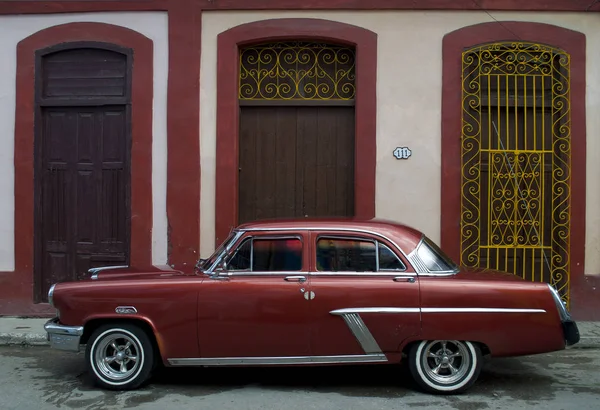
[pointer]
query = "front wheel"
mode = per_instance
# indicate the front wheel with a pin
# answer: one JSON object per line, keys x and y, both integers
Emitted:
{"x": 120, "y": 356}
{"x": 445, "y": 366}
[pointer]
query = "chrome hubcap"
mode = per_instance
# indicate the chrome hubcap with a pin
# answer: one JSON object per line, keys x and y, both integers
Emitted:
{"x": 445, "y": 361}
{"x": 116, "y": 356}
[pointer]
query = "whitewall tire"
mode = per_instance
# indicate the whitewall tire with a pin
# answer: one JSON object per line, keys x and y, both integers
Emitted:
{"x": 120, "y": 356}
{"x": 445, "y": 366}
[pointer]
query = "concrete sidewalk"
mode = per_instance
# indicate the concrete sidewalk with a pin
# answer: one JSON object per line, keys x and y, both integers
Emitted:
{"x": 30, "y": 332}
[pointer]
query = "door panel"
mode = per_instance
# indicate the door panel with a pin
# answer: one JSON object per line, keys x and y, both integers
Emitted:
{"x": 253, "y": 316}
{"x": 84, "y": 184}
{"x": 355, "y": 286}
{"x": 296, "y": 162}
{"x": 257, "y": 308}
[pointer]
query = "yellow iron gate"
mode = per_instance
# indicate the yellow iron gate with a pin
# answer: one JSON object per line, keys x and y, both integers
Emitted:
{"x": 515, "y": 203}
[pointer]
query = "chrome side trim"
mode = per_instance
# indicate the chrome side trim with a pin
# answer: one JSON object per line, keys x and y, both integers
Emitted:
{"x": 361, "y": 333}
{"x": 290, "y": 360}
{"x": 379, "y": 273}
{"x": 337, "y": 273}
{"x": 347, "y": 311}
{"x": 95, "y": 271}
{"x": 263, "y": 273}
{"x": 481, "y": 310}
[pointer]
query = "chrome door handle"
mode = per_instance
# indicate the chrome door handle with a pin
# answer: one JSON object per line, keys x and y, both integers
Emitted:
{"x": 410, "y": 279}
{"x": 295, "y": 278}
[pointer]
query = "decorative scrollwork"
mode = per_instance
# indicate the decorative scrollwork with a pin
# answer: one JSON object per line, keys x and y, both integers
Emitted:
{"x": 297, "y": 71}
{"x": 516, "y": 159}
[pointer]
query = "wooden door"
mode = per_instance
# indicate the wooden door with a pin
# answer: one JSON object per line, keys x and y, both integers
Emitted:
{"x": 84, "y": 185}
{"x": 296, "y": 161}
{"x": 82, "y": 178}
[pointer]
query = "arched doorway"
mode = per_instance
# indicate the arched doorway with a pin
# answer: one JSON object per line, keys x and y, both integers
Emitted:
{"x": 516, "y": 161}
{"x": 475, "y": 89}
{"x": 229, "y": 43}
{"x": 82, "y": 161}
{"x": 297, "y": 121}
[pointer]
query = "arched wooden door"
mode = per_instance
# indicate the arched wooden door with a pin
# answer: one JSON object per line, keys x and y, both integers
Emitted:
{"x": 82, "y": 162}
{"x": 297, "y": 122}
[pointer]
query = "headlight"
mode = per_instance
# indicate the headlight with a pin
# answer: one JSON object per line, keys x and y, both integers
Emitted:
{"x": 50, "y": 294}
{"x": 560, "y": 305}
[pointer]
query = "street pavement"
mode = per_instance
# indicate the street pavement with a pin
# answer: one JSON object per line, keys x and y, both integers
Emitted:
{"x": 39, "y": 378}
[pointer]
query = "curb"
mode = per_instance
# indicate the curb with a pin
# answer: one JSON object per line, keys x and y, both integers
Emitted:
{"x": 23, "y": 339}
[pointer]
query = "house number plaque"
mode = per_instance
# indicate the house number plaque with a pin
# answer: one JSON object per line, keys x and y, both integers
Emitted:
{"x": 402, "y": 153}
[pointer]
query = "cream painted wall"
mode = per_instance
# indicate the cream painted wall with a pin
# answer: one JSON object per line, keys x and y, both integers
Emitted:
{"x": 409, "y": 74}
{"x": 13, "y": 29}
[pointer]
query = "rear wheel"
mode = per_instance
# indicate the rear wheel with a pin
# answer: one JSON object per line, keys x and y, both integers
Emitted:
{"x": 445, "y": 366}
{"x": 120, "y": 356}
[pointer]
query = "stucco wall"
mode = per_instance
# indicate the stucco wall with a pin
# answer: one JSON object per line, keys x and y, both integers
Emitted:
{"x": 15, "y": 28}
{"x": 409, "y": 83}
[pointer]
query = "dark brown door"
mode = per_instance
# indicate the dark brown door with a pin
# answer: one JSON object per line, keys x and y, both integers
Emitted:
{"x": 296, "y": 162}
{"x": 82, "y": 177}
{"x": 84, "y": 184}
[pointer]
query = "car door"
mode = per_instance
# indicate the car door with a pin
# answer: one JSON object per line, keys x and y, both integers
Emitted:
{"x": 256, "y": 307}
{"x": 364, "y": 296}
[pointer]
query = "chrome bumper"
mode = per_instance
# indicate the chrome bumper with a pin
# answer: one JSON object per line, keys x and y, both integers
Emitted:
{"x": 63, "y": 337}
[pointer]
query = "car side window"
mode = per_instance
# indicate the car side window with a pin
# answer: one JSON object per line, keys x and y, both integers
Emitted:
{"x": 355, "y": 255}
{"x": 241, "y": 258}
{"x": 267, "y": 255}
{"x": 388, "y": 260}
{"x": 346, "y": 255}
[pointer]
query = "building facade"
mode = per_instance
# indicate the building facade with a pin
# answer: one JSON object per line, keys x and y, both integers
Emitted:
{"x": 139, "y": 132}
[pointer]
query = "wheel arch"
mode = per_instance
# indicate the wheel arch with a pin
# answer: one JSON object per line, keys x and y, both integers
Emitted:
{"x": 91, "y": 325}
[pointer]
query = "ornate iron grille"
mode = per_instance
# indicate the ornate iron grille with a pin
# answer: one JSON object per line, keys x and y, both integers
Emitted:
{"x": 297, "y": 71}
{"x": 515, "y": 207}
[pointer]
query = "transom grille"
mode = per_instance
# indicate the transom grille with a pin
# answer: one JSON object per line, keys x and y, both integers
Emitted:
{"x": 297, "y": 71}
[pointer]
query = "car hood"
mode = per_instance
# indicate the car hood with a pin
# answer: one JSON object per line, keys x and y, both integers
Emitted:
{"x": 487, "y": 275}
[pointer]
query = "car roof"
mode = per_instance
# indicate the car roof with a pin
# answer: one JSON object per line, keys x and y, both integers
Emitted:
{"x": 403, "y": 235}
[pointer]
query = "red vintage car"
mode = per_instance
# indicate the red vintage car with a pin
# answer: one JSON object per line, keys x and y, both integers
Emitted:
{"x": 309, "y": 292}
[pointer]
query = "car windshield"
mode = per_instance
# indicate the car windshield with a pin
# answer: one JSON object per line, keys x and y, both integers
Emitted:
{"x": 434, "y": 258}
{"x": 208, "y": 262}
